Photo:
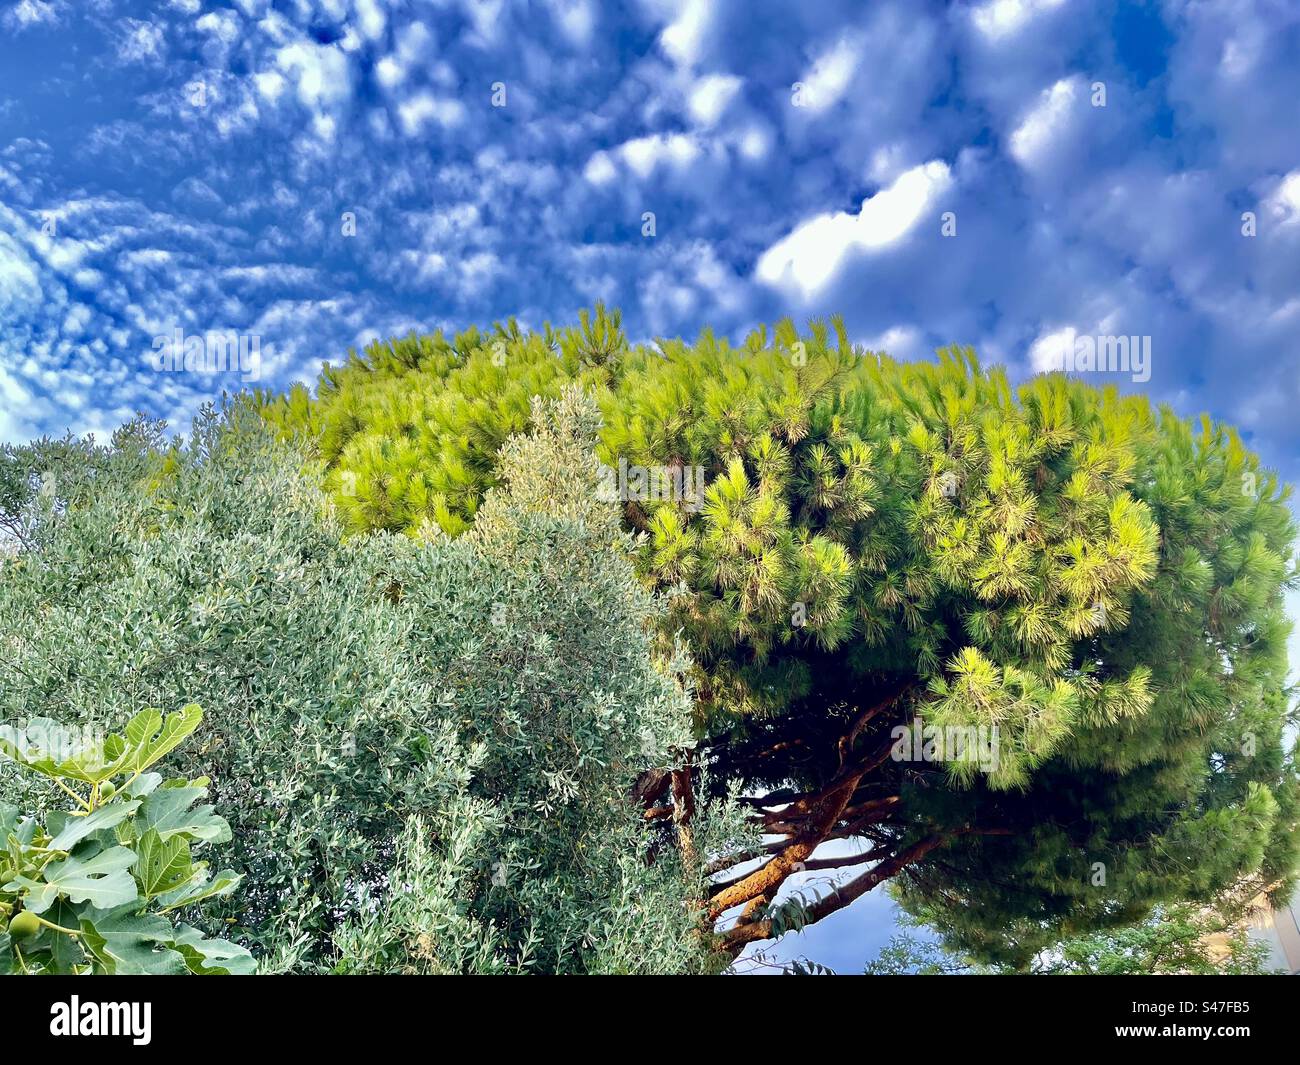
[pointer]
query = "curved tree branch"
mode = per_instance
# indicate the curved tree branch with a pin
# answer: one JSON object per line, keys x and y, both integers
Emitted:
{"x": 735, "y": 938}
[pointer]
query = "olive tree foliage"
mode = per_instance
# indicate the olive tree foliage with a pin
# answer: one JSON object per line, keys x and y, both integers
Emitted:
{"x": 423, "y": 747}
{"x": 1097, "y": 580}
{"x": 556, "y": 695}
{"x": 155, "y": 573}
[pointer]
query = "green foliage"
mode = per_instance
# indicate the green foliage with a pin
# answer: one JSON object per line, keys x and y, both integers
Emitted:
{"x": 383, "y": 711}
{"x": 430, "y": 452}
{"x": 1181, "y": 939}
{"x": 206, "y": 569}
{"x": 1100, "y": 581}
{"x": 536, "y": 861}
{"x": 91, "y": 890}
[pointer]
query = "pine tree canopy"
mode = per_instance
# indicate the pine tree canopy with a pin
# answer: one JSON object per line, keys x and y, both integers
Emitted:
{"x": 885, "y": 549}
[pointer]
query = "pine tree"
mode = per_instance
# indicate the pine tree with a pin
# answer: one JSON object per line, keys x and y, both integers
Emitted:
{"x": 884, "y": 548}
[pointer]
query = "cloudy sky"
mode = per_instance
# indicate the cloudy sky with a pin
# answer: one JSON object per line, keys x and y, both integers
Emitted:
{"x": 999, "y": 174}
{"x": 195, "y": 165}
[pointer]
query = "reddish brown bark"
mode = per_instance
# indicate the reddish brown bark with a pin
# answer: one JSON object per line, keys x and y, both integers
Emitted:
{"x": 810, "y": 818}
{"x": 735, "y": 938}
{"x": 683, "y": 812}
{"x": 769, "y": 877}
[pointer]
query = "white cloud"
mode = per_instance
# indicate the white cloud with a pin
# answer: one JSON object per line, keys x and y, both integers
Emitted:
{"x": 423, "y": 108}
{"x": 1047, "y": 353}
{"x": 755, "y": 143}
{"x": 20, "y": 286}
{"x": 1242, "y": 51}
{"x": 371, "y": 19}
{"x": 887, "y": 162}
{"x": 811, "y": 256}
{"x": 318, "y": 71}
{"x": 576, "y": 20}
{"x": 487, "y": 17}
{"x": 1045, "y": 124}
{"x": 830, "y": 76}
{"x": 1283, "y": 205}
{"x": 269, "y": 85}
{"x": 1000, "y": 19}
{"x": 140, "y": 41}
{"x": 324, "y": 126}
{"x": 31, "y": 13}
{"x": 599, "y": 170}
{"x": 223, "y": 25}
{"x": 412, "y": 44}
{"x": 898, "y": 341}
{"x": 146, "y": 257}
{"x": 1100, "y": 315}
{"x": 710, "y": 97}
{"x": 14, "y": 397}
{"x": 390, "y": 72}
{"x": 683, "y": 38}
{"x": 643, "y": 154}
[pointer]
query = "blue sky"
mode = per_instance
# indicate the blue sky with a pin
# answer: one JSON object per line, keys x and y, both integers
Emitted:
{"x": 767, "y": 200}
{"x": 192, "y": 165}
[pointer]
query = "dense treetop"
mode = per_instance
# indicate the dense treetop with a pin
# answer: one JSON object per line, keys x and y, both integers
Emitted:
{"x": 1100, "y": 580}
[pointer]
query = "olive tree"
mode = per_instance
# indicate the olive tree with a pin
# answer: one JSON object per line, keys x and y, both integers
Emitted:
{"x": 380, "y": 711}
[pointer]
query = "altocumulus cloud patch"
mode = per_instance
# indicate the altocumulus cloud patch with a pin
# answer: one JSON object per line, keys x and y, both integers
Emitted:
{"x": 316, "y": 177}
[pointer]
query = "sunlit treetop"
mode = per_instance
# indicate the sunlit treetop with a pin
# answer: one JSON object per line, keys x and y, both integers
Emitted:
{"x": 1098, "y": 581}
